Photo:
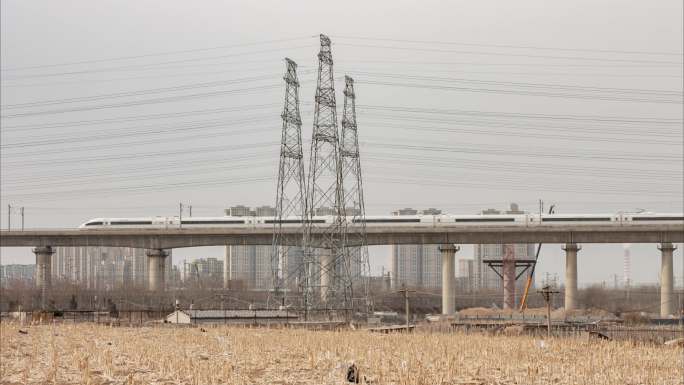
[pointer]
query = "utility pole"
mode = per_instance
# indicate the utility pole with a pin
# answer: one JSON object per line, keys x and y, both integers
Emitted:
{"x": 21, "y": 210}
{"x": 530, "y": 277}
{"x": 190, "y": 209}
{"x": 406, "y": 292}
{"x": 547, "y": 293}
{"x": 9, "y": 217}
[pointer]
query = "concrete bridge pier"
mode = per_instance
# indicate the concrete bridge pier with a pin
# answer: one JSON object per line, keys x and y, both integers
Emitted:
{"x": 43, "y": 271}
{"x": 156, "y": 259}
{"x": 571, "y": 250}
{"x": 508, "y": 275}
{"x": 327, "y": 267}
{"x": 666, "y": 279}
{"x": 448, "y": 277}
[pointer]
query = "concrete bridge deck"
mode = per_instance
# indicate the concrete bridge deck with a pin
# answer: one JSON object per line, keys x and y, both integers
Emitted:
{"x": 156, "y": 240}
{"x": 377, "y": 235}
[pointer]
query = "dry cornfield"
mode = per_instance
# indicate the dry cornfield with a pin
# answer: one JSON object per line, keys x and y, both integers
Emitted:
{"x": 92, "y": 354}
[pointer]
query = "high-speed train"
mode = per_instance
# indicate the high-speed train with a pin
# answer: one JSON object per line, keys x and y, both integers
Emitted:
{"x": 619, "y": 219}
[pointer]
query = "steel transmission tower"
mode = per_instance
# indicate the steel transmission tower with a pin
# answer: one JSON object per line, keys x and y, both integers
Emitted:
{"x": 291, "y": 192}
{"x": 326, "y": 195}
{"x": 356, "y": 267}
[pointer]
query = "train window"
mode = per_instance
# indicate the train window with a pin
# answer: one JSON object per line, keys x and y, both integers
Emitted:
{"x": 484, "y": 220}
{"x": 576, "y": 219}
{"x": 285, "y": 221}
{"x": 131, "y": 223}
{"x": 216, "y": 222}
{"x": 98, "y": 223}
{"x": 387, "y": 220}
{"x": 658, "y": 218}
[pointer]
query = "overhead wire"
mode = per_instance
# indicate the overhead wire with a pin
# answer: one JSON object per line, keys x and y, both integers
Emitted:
{"x": 151, "y": 66}
{"x": 511, "y": 54}
{"x": 520, "y": 92}
{"x": 164, "y": 53}
{"x": 148, "y": 91}
{"x": 137, "y": 103}
{"x": 526, "y": 47}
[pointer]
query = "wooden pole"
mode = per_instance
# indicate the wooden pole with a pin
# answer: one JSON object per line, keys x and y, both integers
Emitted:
{"x": 548, "y": 318}
{"x": 546, "y": 292}
{"x": 406, "y": 292}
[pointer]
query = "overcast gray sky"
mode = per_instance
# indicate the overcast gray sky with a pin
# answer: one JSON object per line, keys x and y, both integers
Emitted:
{"x": 125, "y": 108}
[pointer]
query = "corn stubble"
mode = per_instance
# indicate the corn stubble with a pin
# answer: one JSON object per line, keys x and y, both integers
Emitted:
{"x": 92, "y": 354}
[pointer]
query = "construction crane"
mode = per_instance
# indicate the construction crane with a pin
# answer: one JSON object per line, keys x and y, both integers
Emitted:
{"x": 523, "y": 300}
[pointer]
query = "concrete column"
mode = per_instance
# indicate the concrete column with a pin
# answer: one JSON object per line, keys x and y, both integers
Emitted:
{"x": 327, "y": 267}
{"x": 666, "y": 279}
{"x": 571, "y": 250}
{"x": 43, "y": 271}
{"x": 508, "y": 273}
{"x": 448, "y": 277}
{"x": 226, "y": 268}
{"x": 156, "y": 265}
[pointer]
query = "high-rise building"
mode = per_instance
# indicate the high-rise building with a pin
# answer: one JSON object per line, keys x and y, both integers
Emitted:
{"x": 13, "y": 273}
{"x": 205, "y": 271}
{"x": 249, "y": 264}
{"x": 465, "y": 273}
{"x": 483, "y": 276}
{"x": 416, "y": 265}
{"x": 103, "y": 267}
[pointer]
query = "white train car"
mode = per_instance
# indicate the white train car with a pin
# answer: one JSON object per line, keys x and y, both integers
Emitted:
{"x": 483, "y": 220}
{"x": 573, "y": 219}
{"x": 648, "y": 218}
{"x": 165, "y": 222}
{"x": 521, "y": 220}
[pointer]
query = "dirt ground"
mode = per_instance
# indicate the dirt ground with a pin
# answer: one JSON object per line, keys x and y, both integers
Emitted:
{"x": 92, "y": 354}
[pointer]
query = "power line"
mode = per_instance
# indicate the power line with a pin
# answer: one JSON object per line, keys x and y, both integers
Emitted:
{"x": 132, "y": 118}
{"x": 521, "y": 92}
{"x": 149, "y": 66}
{"x": 119, "y": 58}
{"x": 501, "y": 114}
{"x": 679, "y": 54}
{"x": 148, "y": 91}
{"x": 423, "y": 49}
{"x": 524, "y": 84}
{"x": 136, "y": 156}
{"x": 401, "y": 179}
{"x": 137, "y": 103}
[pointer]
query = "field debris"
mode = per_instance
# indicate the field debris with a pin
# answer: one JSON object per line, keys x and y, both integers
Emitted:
{"x": 675, "y": 342}
{"x": 99, "y": 354}
{"x": 598, "y": 335}
{"x": 353, "y": 374}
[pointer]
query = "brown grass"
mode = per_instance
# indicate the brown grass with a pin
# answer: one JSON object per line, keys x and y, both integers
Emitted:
{"x": 91, "y": 354}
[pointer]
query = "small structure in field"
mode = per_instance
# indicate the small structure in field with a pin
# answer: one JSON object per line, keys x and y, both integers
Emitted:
{"x": 193, "y": 316}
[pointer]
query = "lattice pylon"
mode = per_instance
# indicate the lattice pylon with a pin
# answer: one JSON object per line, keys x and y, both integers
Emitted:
{"x": 326, "y": 194}
{"x": 290, "y": 203}
{"x": 357, "y": 266}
